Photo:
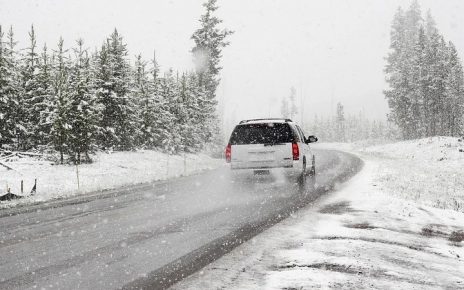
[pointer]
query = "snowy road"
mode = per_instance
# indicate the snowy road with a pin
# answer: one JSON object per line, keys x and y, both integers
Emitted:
{"x": 151, "y": 235}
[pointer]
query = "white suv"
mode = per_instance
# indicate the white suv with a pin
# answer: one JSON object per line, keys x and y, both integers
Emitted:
{"x": 264, "y": 144}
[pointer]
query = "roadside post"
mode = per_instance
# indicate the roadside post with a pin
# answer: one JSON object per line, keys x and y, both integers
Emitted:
{"x": 185, "y": 163}
{"x": 34, "y": 188}
{"x": 77, "y": 174}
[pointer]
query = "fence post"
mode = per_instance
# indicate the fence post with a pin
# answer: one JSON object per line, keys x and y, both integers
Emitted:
{"x": 77, "y": 173}
{"x": 185, "y": 164}
{"x": 167, "y": 166}
{"x": 34, "y": 189}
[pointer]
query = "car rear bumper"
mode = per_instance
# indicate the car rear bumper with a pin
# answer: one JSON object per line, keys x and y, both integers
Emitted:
{"x": 242, "y": 167}
{"x": 291, "y": 165}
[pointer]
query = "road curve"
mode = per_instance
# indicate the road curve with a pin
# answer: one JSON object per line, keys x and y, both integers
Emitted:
{"x": 150, "y": 236}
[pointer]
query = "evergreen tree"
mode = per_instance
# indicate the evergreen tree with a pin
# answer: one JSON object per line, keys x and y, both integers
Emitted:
{"x": 44, "y": 104}
{"x": 340, "y": 123}
{"x": 196, "y": 106}
{"x": 60, "y": 106}
{"x": 118, "y": 122}
{"x": 423, "y": 74}
{"x": 396, "y": 70}
{"x": 145, "y": 101}
{"x": 84, "y": 111}
{"x": 16, "y": 106}
{"x": 430, "y": 25}
{"x": 293, "y": 109}
{"x": 29, "y": 116}
{"x": 284, "y": 109}
{"x": 183, "y": 112}
{"x": 419, "y": 93}
{"x": 162, "y": 116}
{"x": 169, "y": 127}
{"x": 8, "y": 92}
{"x": 209, "y": 41}
{"x": 103, "y": 94}
{"x": 455, "y": 93}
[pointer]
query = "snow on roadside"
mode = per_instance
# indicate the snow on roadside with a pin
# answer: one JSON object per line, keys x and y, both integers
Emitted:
{"x": 107, "y": 172}
{"x": 429, "y": 170}
{"x": 357, "y": 238}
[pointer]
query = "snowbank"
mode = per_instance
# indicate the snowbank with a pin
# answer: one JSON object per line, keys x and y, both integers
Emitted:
{"x": 109, "y": 170}
{"x": 429, "y": 170}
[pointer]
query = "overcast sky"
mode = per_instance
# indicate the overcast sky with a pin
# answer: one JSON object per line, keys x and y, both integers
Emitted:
{"x": 329, "y": 50}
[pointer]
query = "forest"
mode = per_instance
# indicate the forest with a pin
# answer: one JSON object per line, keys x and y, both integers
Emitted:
{"x": 425, "y": 78}
{"x": 74, "y": 100}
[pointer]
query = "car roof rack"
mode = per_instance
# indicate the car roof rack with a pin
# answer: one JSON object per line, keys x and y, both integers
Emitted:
{"x": 266, "y": 119}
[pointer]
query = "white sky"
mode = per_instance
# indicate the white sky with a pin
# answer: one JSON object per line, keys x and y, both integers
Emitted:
{"x": 329, "y": 50}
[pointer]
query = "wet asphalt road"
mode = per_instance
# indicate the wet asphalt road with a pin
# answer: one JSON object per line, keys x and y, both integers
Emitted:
{"x": 150, "y": 236}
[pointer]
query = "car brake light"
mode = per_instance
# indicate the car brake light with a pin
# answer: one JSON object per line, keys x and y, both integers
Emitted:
{"x": 295, "y": 151}
{"x": 228, "y": 153}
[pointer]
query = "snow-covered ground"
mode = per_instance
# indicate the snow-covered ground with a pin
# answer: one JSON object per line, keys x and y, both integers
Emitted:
{"x": 429, "y": 171}
{"x": 109, "y": 170}
{"x": 371, "y": 233}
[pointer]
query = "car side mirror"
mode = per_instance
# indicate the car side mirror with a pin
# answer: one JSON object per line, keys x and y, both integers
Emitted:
{"x": 311, "y": 139}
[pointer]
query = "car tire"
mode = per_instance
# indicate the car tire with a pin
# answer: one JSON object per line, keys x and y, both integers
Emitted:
{"x": 312, "y": 176}
{"x": 302, "y": 177}
{"x": 313, "y": 167}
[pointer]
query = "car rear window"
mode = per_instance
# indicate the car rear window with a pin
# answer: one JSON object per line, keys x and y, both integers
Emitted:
{"x": 265, "y": 133}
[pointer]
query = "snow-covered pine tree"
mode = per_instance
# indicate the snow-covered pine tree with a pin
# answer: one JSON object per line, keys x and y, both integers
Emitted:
{"x": 444, "y": 71}
{"x": 204, "y": 114}
{"x": 8, "y": 93}
{"x": 284, "y": 108}
{"x": 430, "y": 25}
{"x": 419, "y": 94}
{"x": 161, "y": 114}
{"x": 169, "y": 127}
{"x": 413, "y": 22}
{"x": 44, "y": 100}
{"x": 420, "y": 69}
{"x": 402, "y": 94}
{"x": 84, "y": 111}
{"x": 437, "y": 54}
{"x": 197, "y": 114}
{"x": 374, "y": 134}
{"x": 429, "y": 100}
{"x": 293, "y": 109}
{"x": 118, "y": 123}
{"x": 29, "y": 116}
{"x": 455, "y": 93}
{"x": 340, "y": 119}
{"x": 61, "y": 102}
{"x": 145, "y": 101}
{"x": 396, "y": 73}
{"x": 313, "y": 129}
{"x": 207, "y": 53}
{"x": 15, "y": 81}
{"x": 183, "y": 113}
{"x": 429, "y": 73}
{"x": 103, "y": 94}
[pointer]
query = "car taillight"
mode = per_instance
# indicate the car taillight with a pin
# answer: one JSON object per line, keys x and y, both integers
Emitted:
{"x": 228, "y": 153}
{"x": 295, "y": 151}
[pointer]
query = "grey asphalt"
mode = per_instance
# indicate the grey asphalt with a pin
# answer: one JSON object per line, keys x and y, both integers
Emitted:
{"x": 150, "y": 236}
